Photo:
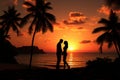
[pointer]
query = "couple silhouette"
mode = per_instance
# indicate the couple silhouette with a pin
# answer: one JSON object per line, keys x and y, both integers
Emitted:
{"x": 61, "y": 52}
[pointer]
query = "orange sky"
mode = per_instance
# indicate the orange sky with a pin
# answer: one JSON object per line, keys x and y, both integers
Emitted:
{"x": 76, "y": 20}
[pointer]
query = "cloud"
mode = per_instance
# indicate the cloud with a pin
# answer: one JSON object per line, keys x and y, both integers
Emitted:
{"x": 75, "y": 18}
{"x": 85, "y": 41}
{"x": 108, "y": 5}
{"x": 106, "y": 10}
{"x": 80, "y": 28}
{"x": 73, "y": 22}
{"x": 15, "y": 2}
{"x": 113, "y": 4}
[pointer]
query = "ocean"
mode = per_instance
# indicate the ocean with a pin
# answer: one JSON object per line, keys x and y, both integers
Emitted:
{"x": 74, "y": 59}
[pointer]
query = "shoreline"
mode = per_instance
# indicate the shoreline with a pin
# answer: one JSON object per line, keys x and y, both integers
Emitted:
{"x": 4, "y": 67}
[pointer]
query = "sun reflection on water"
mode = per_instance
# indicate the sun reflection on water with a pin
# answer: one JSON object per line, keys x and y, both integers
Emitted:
{"x": 70, "y": 58}
{"x": 75, "y": 60}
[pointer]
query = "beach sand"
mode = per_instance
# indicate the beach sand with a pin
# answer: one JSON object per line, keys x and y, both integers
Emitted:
{"x": 21, "y": 72}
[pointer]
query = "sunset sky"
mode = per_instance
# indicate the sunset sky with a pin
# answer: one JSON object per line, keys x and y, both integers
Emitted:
{"x": 76, "y": 20}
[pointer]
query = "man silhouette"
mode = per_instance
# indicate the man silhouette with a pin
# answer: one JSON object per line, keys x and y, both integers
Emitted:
{"x": 59, "y": 53}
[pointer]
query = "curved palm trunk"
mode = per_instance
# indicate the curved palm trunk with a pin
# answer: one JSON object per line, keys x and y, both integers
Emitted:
{"x": 117, "y": 49}
{"x": 30, "y": 65}
{"x": 117, "y": 43}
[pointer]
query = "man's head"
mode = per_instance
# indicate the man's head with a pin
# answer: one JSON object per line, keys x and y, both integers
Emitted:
{"x": 61, "y": 40}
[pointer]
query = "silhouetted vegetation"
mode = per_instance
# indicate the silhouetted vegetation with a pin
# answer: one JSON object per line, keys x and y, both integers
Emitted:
{"x": 7, "y": 50}
{"x": 101, "y": 69}
{"x": 99, "y": 62}
{"x": 111, "y": 35}
{"x": 41, "y": 19}
{"x": 10, "y": 19}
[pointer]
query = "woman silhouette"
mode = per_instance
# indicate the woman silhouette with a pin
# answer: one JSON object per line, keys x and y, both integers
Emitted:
{"x": 65, "y": 55}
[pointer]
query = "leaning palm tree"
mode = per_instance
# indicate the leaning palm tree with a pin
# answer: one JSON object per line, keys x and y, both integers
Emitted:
{"x": 111, "y": 30}
{"x": 41, "y": 19}
{"x": 10, "y": 19}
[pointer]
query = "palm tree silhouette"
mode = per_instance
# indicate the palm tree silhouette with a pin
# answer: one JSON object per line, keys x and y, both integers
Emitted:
{"x": 10, "y": 19}
{"x": 111, "y": 30}
{"x": 41, "y": 19}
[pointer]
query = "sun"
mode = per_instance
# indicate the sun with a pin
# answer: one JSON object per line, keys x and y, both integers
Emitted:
{"x": 71, "y": 49}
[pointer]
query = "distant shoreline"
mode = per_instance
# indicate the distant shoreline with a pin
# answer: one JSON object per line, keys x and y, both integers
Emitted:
{"x": 27, "y": 49}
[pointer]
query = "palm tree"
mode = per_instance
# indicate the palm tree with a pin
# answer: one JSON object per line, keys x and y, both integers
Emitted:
{"x": 41, "y": 19}
{"x": 111, "y": 34}
{"x": 10, "y": 19}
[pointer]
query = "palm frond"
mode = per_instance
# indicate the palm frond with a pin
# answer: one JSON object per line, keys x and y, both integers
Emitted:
{"x": 99, "y": 29}
{"x": 31, "y": 9}
{"x": 5, "y": 12}
{"x": 102, "y": 37}
{"x": 49, "y": 25}
{"x": 113, "y": 17}
{"x": 44, "y": 26}
{"x": 15, "y": 29}
{"x": 25, "y": 19}
{"x": 7, "y": 28}
{"x": 51, "y": 17}
{"x": 47, "y": 6}
{"x": 18, "y": 14}
{"x": 28, "y": 4}
{"x": 18, "y": 24}
{"x": 103, "y": 21}
{"x": 31, "y": 26}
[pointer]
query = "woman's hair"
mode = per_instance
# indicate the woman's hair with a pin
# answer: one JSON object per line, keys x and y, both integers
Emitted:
{"x": 66, "y": 43}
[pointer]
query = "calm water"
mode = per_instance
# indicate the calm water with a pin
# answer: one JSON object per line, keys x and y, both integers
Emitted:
{"x": 74, "y": 59}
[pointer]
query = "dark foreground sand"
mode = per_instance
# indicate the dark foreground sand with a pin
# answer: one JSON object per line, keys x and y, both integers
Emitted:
{"x": 21, "y": 72}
